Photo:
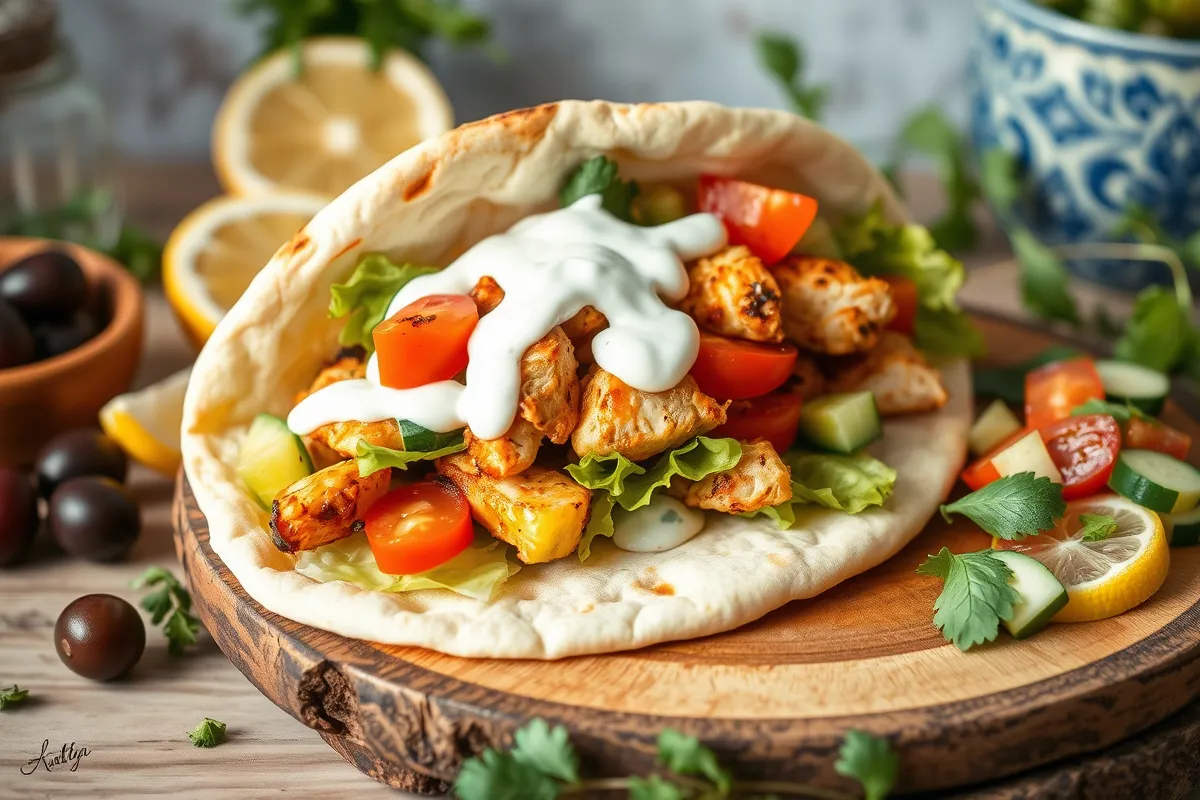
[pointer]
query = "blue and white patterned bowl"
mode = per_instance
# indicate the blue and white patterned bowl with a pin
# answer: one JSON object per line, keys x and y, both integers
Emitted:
{"x": 1102, "y": 120}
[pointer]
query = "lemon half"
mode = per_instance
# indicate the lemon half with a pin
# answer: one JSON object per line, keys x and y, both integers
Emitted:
{"x": 146, "y": 423}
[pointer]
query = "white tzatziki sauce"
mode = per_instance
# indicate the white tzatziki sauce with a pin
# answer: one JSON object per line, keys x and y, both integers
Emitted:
{"x": 550, "y": 266}
{"x": 663, "y": 524}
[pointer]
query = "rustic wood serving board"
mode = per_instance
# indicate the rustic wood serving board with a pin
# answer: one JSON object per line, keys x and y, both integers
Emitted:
{"x": 775, "y": 697}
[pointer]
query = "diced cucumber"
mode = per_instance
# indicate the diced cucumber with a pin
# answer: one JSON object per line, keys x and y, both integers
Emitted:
{"x": 1157, "y": 481}
{"x": 1183, "y": 530}
{"x": 1139, "y": 386}
{"x": 658, "y": 204}
{"x": 995, "y": 424}
{"x": 843, "y": 423}
{"x": 422, "y": 440}
{"x": 1042, "y": 596}
{"x": 1027, "y": 454}
{"x": 271, "y": 458}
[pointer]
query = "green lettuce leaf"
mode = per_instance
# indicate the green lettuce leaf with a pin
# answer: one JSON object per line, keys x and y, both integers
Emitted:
{"x": 475, "y": 572}
{"x": 372, "y": 458}
{"x": 843, "y": 483}
{"x": 600, "y": 523}
{"x": 366, "y": 296}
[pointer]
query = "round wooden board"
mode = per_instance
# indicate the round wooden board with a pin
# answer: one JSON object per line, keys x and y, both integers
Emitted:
{"x": 775, "y": 697}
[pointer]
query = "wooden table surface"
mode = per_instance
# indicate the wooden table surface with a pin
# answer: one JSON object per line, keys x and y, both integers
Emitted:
{"x": 135, "y": 731}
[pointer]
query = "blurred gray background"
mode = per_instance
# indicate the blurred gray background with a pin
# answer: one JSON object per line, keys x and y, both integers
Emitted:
{"x": 164, "y": 64}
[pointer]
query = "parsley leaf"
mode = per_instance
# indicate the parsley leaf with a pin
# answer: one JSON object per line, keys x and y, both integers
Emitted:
{"x": 1121, "y": 412}
{"x": 870, "y": 761}
{"x": 1158, "y": 333}
{"x": 654, "y": 788}
{"x": 547, "y": 750}
{"x": 1008, "y": 383}
{"x": 930, "y": 133}
{"x": 499, "y": 776}
{"x": 209, "y": 733}
{"x": 366, "y": 296}
{"x": 1013, "y": 507}
{"x": 975, "y": 595}
{"x": 685, "y": 755}
{"x": 1097, "y": 527}
{"x": 10, "y": 697}
{"x": 783, "y": 57}
{"x": 1045, "y": 282}
{"x": 599, "y": 176}
{"x": 171, "y": 601}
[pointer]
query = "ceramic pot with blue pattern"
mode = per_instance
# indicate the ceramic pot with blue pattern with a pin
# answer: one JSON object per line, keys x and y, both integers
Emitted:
{"x": 1101, "y": 119}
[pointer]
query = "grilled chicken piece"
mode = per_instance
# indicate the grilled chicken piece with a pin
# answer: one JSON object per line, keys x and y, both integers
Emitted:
{"x": 828, "y": 307}
{"x": 807, "y": 379}
{"x": 759, "y": 479}
{"x": 901, "y": 378}
{"x": 326, "y": 506}
{"x": 348, "y": 364}
{"x": 487, "y": 294}
{"x": 616, "y": 418}
{"x": 343, "y": 437}
{"x": 512, "y": 453}
{"x": 581, "y": 329}
{"x": 542, "y": 512}
{"x": 733, "y": 294}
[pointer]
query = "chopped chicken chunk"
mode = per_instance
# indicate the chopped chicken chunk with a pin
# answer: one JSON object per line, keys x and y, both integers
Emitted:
{"x": 759, "y": 479}
{"x": 512, "y": 453}
{"x": 807, "y": 380}
{"x": 733, "y": 294}
{"x": 581, "y": 329}
{"x": 542, "y": 512}
{"x": 343, "y": 437}
{"x": 550, "y": 386}
{"x": 901, "y": 378}
{"x": 325, "y": 506}
{"x": 487, "y": 294}
{"x": 828, "y": 307}
{"x": 616, "y": 418}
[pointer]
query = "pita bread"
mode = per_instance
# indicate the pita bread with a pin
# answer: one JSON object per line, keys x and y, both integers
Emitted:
{"x": 427, "y": 206}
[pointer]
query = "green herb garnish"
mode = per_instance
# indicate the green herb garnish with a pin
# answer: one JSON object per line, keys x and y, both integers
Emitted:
{"x": 975, "y": 596}
{"x": 1013, "y": 507}
{"x": 13, "y": 696}
{"x": 1121, "y": 412}
{"x": 870, "y": 761}
{"x": 599, "y": 176}
{"x": 1097, "y": 527}
{"x": 172, "y": 602}
{"x": 783, "y": 57}
{"x": 209, "y": 733}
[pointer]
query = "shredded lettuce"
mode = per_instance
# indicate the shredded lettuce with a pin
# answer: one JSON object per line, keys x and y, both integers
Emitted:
{"x": 877, "y": 247}
{"x": 844, "y": 483}
{"x": 366, "y": 296}
{"x": 372, "y": 458}
{"x": 615, "y": 480}
{"x": 475, "y": 572}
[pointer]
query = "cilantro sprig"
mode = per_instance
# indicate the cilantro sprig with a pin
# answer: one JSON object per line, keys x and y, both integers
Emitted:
{"x": 543, "y": 765}
{"x": 1013, "y": 507}
{"x": 976, "y": 595}
{"x": 599, "y": 176}
{"x": 12, "y": 696}
{"x": 209, "y": 733}
{"x": 172, "y": 602}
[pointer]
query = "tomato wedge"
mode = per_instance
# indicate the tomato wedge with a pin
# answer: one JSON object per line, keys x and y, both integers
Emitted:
{"x": 426, "y": 341}
{"x": 774, "y": 417}
{"x": 1143, "y": 434}
{"x": 732, "y": 369}
{"x": 1085, "y": 450}
{"x": 768, "y": 221}
{"x": 415, "y": 528}
{"x": 904, "y": 296}
{"x": 1053, "y": 391}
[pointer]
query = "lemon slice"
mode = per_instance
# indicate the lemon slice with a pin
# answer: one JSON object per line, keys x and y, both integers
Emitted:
{"x": 1102, "y": 578}
{"x": 335, "y": 123}
{"x": 214, "y": 253}
{"x": 146, "y": 423}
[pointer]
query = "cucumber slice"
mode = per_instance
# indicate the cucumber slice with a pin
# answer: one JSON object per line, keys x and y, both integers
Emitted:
{"x": 1157, "y": 481}
{"x": 995, "y": 424}
{"x": 1042, "y": 596}
{"x": 1183, "y": 530}
{"x": 271, "y": 458}
{"x": 843, "y": 423}
{"x": 1139, "y": 386}
{"x": 422, "y": 440}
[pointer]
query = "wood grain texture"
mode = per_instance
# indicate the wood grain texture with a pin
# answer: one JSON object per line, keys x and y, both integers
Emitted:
{"x": 774, "y": 698}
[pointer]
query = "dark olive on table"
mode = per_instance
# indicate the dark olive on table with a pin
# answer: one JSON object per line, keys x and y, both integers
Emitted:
{"x": 94, "y": 518}
{"x": 51, "y": 339}
{"x": 85, "y": 451}
{"x": 16, "y": 340}
{"x": 18, "y": 515}
{"x": 48, "y": 285}
{"x": 100, "y": 636}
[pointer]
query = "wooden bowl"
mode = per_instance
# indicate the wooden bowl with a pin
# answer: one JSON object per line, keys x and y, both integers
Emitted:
{"x": 45, "y": 398}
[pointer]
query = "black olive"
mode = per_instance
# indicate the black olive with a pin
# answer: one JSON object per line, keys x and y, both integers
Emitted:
{"x": 18, "y": 515}
{"x": 48, "y": 285}
{"x": 100, "y": 636}
{"x": 16, "y": 340}
{"x": 55, "y": 338}
{"x": 94, "y": 518}
{"x": 85, "y": 451}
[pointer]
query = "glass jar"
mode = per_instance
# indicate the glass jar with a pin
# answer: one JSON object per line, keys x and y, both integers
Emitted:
{"x": 57, "y": 170}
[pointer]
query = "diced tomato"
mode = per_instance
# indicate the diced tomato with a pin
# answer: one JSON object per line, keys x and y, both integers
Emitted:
{"x": 426, "y": 341}
{"x": 774, "y": 417}
{"x": 733, "y": 369}
{"x": 415, "y": 528}
{"x": 1143, "y": 434}
{"x": 768, "y": 221}
{"x": 904, "y": 296}
{"x": 1084, "y": 449}
{"x": 1053, "y": 391}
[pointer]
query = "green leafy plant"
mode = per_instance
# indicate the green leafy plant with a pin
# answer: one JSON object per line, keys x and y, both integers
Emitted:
{"x": 783, "y": 57}
{"x": 170, "y": 602}
{"x": 543, "y": 765}
{"x": 1013, "y": 507}
{"x": 599, "y": 176}
{"x": 975, "y": 596}
{"x": 209, "y": 733}
{"x": 12, "y": 696}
